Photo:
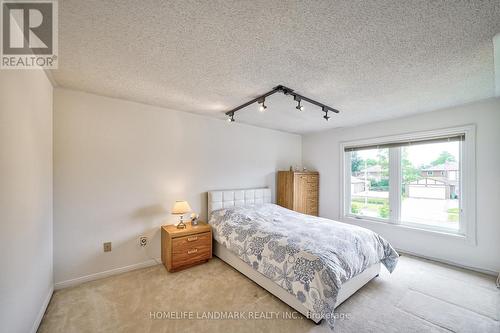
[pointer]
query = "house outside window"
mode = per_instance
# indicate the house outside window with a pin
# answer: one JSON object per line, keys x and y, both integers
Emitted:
{"x": 421, "y": 181}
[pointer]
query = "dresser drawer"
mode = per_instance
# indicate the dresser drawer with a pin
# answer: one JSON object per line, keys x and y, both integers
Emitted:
{"x": 313, "y": 179}
{"x": 312, "y": 193}
{"x": 312, "y": 206}
{"x": 312, "y": 201}
{"x": 312, "y": 187}
{"x": 312, "y": 212}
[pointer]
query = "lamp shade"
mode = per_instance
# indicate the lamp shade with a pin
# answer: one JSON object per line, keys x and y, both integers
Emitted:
{"x": 181, "y": 207}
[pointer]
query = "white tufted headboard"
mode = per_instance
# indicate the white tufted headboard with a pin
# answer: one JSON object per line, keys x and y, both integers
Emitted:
{"x": 238, "y": 198}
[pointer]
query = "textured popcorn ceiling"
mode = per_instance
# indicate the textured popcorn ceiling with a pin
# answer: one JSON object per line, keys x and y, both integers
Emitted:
{"x": 372, "y": 60}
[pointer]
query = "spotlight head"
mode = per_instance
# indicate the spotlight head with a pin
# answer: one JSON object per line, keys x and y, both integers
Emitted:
{"x": 325, "y": 110}
{"x": 230, "y": 118}
{"x": 262, "y": 106}
{"x": 299, "y": 107}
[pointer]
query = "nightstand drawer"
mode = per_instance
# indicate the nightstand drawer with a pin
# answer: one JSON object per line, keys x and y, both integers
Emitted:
{"x": 191, "y": 249}
{"x": 181, "y": 244}
{"x": 190, "y": 256}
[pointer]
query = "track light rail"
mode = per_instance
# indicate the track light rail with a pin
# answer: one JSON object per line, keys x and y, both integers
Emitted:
{"x": 286, "y": 91}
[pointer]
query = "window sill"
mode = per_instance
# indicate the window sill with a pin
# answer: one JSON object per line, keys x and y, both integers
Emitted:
{"x": 368, "y": 221}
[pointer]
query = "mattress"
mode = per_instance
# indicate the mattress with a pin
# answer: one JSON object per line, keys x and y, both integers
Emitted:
{"x": 309, "y": 257}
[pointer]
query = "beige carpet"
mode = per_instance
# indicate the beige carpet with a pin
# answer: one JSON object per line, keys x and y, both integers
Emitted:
{"x": 420, "y": 296}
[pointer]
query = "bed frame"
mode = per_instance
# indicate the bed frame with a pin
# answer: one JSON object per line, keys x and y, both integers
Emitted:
{"x": 237, "y": 198}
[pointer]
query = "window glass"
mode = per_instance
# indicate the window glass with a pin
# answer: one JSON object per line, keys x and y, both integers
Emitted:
{"x": 420, "y": 185}
{"x": 370, "y": 183}
{"x": 430, "y": 188}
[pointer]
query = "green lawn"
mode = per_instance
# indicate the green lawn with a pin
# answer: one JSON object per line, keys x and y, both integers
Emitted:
{"x": 374, "y": 201}
{"x": 453, "y": 214}
{"x": 379, "y": 207}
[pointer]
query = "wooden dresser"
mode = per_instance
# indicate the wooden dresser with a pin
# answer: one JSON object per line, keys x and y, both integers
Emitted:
{"x": 299, "y": 191}
{"x": 183, "y": 248}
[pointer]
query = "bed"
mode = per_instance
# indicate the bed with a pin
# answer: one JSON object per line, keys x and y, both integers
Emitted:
{"x": 310, "y": 263}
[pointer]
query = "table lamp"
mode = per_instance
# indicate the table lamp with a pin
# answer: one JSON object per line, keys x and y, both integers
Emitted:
{"x": 181, "y": 208}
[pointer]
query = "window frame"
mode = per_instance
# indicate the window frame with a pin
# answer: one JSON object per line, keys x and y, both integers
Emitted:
{"x": 467, "y": 176}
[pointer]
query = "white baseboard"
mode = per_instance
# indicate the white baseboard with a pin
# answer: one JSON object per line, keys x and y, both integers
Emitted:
{"x": 451, "y": 263}
{"x": 45, "y": 304}
{"x": 100, "y": 275}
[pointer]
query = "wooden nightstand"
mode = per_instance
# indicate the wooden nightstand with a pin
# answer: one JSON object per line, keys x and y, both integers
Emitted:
{"x": 183, "y": 248}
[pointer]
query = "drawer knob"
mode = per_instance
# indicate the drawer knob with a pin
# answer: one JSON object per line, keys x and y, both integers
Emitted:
{"x": 192, "y": 251}
{"x": 192, "y": 239}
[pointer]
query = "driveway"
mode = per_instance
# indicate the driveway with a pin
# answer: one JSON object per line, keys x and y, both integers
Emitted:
{"x": 428, "y": 211}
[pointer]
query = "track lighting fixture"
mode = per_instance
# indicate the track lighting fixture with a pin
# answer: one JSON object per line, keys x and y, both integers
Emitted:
{"x": 287, "y": 91}
{"x": 326, "y": 116}
{"x": 298, "y": 107}
{"x": 262, "y": 106}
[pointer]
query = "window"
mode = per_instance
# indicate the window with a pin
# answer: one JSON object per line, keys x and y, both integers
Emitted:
{"x": 422, "y": 181}
{"x": 370, "y": 183}
{"x": 432, "y": 200}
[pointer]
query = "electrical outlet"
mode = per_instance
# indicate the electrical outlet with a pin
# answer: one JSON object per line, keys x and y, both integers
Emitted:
{"x": 107, "y": 247}
{"x": 143, "y": 241}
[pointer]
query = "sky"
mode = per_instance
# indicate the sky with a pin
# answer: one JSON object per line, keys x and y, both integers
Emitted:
{"x": 421, "y": 154}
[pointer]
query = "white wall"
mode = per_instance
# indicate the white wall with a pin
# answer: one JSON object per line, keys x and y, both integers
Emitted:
{"x": 119, "y": 166}
{"x": 26, "y": 278}
{"x": 321, "y": 151}
{"x": 496, "y": 54}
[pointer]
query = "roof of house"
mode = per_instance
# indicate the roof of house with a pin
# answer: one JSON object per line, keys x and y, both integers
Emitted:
{"x": 448, "y": 166}
{"x": 431, "y": 180}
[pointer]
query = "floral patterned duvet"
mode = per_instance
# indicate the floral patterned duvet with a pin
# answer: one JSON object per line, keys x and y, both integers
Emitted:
{"x": 308, "y": 256}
